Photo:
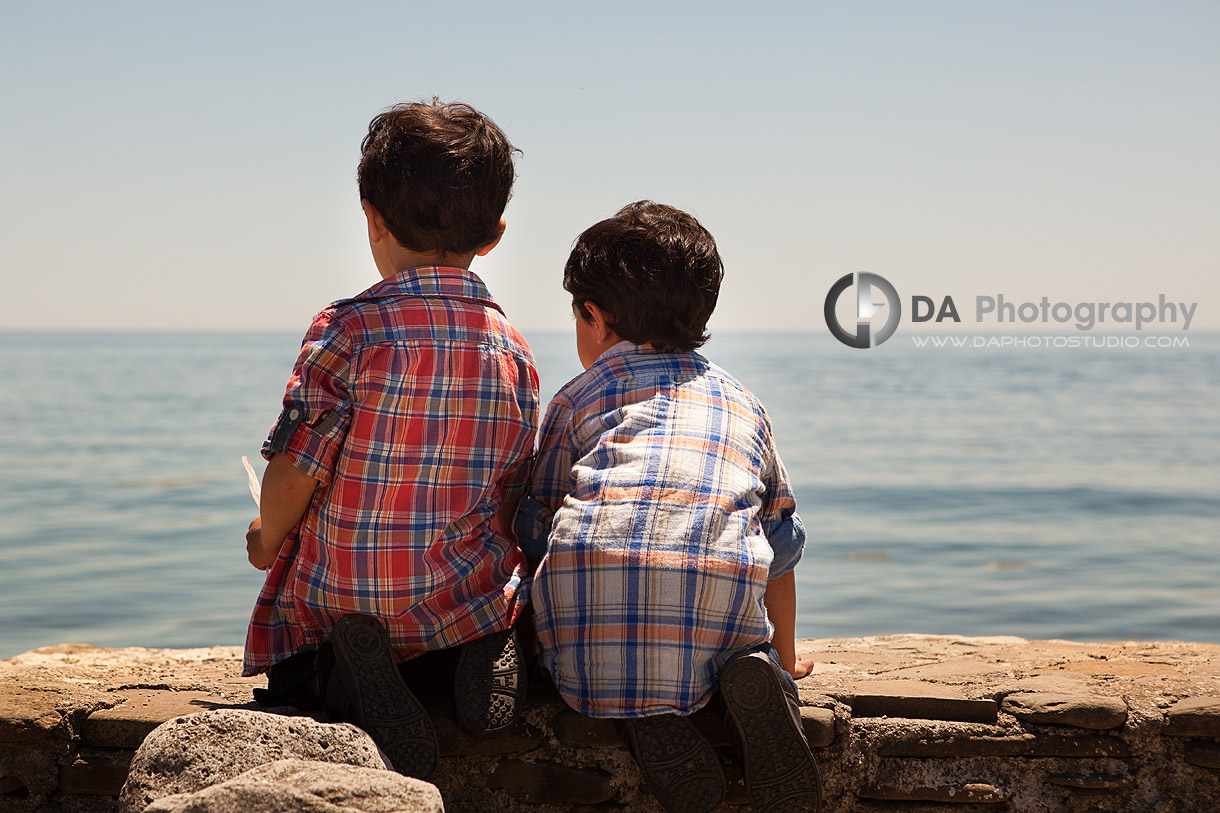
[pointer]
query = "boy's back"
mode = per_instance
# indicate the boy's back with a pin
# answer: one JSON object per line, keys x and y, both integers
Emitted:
{"x": 658, "y": 561}
{"x": 416, "y": 401}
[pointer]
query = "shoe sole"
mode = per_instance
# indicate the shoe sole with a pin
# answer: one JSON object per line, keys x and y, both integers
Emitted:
{"x": 489, "y": 684}
{"x": 383, "y": 705}
{"x": 779, "y": 770}
{"x": 678, "y": 764}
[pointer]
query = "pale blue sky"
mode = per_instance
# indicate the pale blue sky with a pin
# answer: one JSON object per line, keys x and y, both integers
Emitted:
{"x": 174, "y": 166}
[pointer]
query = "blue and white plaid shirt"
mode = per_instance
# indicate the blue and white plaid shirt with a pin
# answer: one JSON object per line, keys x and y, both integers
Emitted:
{"x": 659, "y": 509}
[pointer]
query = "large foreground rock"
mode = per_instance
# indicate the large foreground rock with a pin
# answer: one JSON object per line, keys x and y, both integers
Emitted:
{"x": 188, "y": 754}
{"x": 300, "y": 786}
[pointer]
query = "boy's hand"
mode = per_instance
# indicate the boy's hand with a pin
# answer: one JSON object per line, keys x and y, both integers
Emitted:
{"x": 255, "y": 552}
{"x": 286, "y": 494}
{"x": 800, "y": 668}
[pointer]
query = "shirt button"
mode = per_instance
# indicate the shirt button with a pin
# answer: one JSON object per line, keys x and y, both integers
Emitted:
{"x": 294, "y": 414}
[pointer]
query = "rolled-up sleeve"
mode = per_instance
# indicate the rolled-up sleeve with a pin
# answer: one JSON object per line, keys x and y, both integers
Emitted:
{"x": 317, "y": 405}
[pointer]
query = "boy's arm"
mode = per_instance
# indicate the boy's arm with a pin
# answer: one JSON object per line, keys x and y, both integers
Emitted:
{"x": 780, "y": 600}
{"x": 548, "y": 483}
{"x": 287, "y": 492}
{"x": 502, "y": 520}
{"x": 307, "y": 437}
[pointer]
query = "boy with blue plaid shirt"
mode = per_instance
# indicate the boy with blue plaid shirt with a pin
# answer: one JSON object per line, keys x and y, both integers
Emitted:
{"x": 664, "y": 525}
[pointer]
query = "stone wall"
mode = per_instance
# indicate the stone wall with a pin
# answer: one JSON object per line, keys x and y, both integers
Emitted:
{"x": 898, "y": 723}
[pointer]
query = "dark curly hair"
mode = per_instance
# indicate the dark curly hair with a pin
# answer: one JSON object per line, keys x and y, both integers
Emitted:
{"x": 655, "y": 271}
{"x": 440, "y": 175}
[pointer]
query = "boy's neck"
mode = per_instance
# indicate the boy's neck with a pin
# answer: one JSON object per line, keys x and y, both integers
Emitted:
{"x": 398, "y": 259}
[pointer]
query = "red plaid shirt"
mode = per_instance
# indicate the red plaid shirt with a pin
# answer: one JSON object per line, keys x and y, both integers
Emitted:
{"x": 415, "y": 406}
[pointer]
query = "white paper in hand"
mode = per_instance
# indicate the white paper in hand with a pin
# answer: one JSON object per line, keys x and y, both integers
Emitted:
{"x": 256, "y": 490}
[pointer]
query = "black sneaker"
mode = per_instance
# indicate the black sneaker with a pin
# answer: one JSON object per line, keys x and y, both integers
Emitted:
{"x": 678, "y": 764}
{"x": 778, "y": 767}
{"x": 489, "y": 684}
{"x": 364, "y": 688}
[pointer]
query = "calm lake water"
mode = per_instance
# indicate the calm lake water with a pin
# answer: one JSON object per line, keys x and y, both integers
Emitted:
{"x": 1065, "y": 493}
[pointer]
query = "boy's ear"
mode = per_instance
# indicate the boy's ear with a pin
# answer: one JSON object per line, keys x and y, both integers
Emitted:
{"x": 499, "y": 233}
{"x": 377, "y": 226}
{"x": 599, "y": 320}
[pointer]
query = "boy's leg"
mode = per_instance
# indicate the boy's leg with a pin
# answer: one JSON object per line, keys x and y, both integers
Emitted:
{"x": 678, "y": 764}
{"x": 291, "y": 683}
{"x": 763, "y": 713}
{"x": 489, "y": 683}
{"x": 363, "y": 687}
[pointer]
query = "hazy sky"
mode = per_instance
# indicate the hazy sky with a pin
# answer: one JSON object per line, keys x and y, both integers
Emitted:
{"x": 175, "y": 166}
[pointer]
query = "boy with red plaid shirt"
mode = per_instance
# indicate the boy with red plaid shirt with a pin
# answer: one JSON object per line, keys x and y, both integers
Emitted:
{"x": 403, "y": 445}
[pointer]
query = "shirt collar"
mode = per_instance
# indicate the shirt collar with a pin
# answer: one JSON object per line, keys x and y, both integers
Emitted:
{"x": 433, "y": 280}
{"x": 621, "y": 349}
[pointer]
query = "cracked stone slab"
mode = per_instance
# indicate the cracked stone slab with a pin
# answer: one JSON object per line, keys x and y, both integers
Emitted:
{"x": 42, "y": 715}
{"x": 1194, "y": 717}
{"x": 139, "y": 711}
{"x": 1095, "y": 712}
{"x": 916, "y": 700}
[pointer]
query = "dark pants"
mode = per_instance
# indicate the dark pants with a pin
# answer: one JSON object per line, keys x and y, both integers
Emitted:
{"x": 288, "y": 682}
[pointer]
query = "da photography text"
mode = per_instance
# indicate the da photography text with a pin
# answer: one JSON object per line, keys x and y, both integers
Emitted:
{"x": 877, "y": 298}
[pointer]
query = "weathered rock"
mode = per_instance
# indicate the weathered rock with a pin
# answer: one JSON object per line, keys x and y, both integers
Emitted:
{"x": 1194, "y": 717}
{"x": 301, "y": 786}
{"x": 452, "y": 741}
{"x": 1096, "y": 712}
{"x": 32, "y": 716}
{"x": 576, "y": 730}
{"x": 190, "y": 753}
{"x": 1092, "y": 780}
{"x": 579, "y": 731}
{"x": 970, "y": 793}
{"x": 954, "y": 709}
{"x": 96, "y": 772}
{"x": 1204, "y": 755}
{"x": 819, "y": 725}
{"x": 28, "y": 771}
{"x": 551, "y": 783}
{"x": 1020, "y": 745}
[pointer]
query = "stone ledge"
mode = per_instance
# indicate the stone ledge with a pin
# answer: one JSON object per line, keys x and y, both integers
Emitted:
{"x": 1079, "y": 711}
{"x": 992, "y": 723}
{"x": 1194, "y": 717}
